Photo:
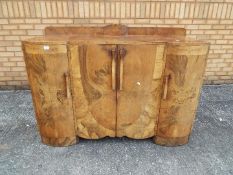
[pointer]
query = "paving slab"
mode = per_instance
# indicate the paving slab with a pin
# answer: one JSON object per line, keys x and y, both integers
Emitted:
{"x": 209, "y": 151}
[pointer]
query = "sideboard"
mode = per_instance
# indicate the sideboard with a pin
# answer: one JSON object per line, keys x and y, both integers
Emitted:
{"x": 115, "y": 81}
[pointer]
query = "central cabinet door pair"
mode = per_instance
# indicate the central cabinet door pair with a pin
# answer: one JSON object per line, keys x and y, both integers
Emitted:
{"x": 116, "y": 89}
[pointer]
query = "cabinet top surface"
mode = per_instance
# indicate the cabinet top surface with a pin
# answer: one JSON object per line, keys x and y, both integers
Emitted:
{"x": 107, "y": 39}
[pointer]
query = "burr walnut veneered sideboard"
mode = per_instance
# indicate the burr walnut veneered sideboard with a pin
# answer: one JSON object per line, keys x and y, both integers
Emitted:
{"x": 115, "y": 81}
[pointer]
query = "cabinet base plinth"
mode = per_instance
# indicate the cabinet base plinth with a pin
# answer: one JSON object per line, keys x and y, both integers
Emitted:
{"x": 59, "y": 142}
{"x": 171, "y": 141}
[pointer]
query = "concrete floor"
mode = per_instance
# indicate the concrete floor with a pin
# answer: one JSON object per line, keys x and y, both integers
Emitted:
{"x": 210, "y": 150}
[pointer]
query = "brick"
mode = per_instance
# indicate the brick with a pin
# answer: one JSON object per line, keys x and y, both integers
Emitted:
{"x": 5, "y": 43}
{"x": 3, "y": 83}
{"x": 20, "y": 78}
{"x": 10, "y": 27}
{"x": 4, "y": 69}
{"x": 25, "y": 26}
{"x": 5, "y": 78}
{"x": 6, "y": 54}
{"x": 26, "y": 8}
{"x": 71, "y": 8}
{"x": 65, "y": 21}
{"x": 48, "y": 9}
{"x": 16, "y": 21}
{"x": 35, "y": 32}
{"x": 81, "y": 21}
{"x": 4, "y": 32}
{"x": 9, "y": 64}
{"x": 221, "y": 42}
{"x": 127, "y": 21}
{"x": 3, "y": 59}
{"x": 37, "y": 9}
{"x": 4, "y": 21}
{"x": 197, "y": 32}
{"x": 49, "y": 21}
{"x": 32, "y": 21}
{"x": 40, "y": 26}
{"x": 65, "y": 9}
{"x": 137, "y": 9}
{"x": 21, "y": 9}
{"x": 92, "y": 9}
{"x": 17, "y": 59}
{"x": 2, "y": 49}
{"x": 12, "y": 74}
{"x": 157, "y": 21}
{"x": 132, "y": 10}
{"x": 97, "y": 21}
{"x": 17, "y": 69}
{"x": 17, "y": 43}
{"x": 102, "y": 10}
{"x": 86, "y": 9}
{"x": 21, "y": 64}
{"x": 54, "y": 8}
{"x": 10, "y": 9}
{"x": 18, "y": 32}
{"x": 19, "y": 54}
{"x": 171, "y": 21}
{"x": 32, "y": 9}
{"x": 127, "y": 9}
{"x": 204, "y": 26}
{"x": 218, "y": 27}
{"x": 43, "y": 9}
{"x": 142, "y": 21}
{"x": 118, "y": 9}
{"x": 13, "y": 49}
{"x": 15, "y": 83}
{"x": 12, "y": 38}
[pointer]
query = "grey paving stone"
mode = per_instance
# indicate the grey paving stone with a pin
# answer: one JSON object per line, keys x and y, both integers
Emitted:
{"x": 210, "y": 150}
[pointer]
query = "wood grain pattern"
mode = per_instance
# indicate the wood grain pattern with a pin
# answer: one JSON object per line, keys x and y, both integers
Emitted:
{"x": 177, "y": 111}
{"x": 93, "y": 98}
{"x": 115, "y": 29}
{"x": 138, "y": 97}
{"x": 115, "y": 81}
{"x": 54, "y": 114}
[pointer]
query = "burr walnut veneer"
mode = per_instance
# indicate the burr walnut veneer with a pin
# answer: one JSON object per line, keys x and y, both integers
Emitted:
{"x": 94, "y": 82}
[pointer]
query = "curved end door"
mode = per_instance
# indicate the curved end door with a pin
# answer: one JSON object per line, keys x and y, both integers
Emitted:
{"x": 47, "y": 67}
{"x": 185, "y": 67}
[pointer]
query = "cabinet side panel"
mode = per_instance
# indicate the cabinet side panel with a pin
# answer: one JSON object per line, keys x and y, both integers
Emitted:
{"x": 54, "y": 114}
{"x": 185, "y": 66}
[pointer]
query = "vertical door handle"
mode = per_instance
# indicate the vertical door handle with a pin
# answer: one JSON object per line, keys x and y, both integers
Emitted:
{"x": 68, "y": 95}
{"x": 113, "y": 52}
{"x": 167, "y": 77}
{"x": 122, "y": 53}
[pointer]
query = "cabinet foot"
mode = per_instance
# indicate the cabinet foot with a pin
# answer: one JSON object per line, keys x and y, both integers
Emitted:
{"x": 59, "y": 142}
{"x": 171, "y": 141}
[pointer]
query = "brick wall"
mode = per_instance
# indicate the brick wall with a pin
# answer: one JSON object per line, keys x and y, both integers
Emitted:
{"x": 203, "y": 19}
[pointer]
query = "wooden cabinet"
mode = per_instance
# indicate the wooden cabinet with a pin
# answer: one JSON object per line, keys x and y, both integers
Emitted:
{"x": 139, "y": 86}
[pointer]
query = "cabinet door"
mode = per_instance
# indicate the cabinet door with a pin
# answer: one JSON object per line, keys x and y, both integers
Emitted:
{"x": 184, "y": 72}
{"x": 94, "y": 98}
{"x": 47, "y": 66}
{"x": 139, "y": 89}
